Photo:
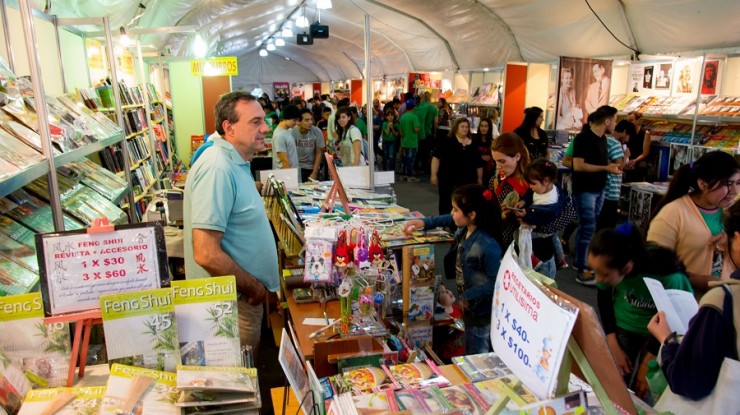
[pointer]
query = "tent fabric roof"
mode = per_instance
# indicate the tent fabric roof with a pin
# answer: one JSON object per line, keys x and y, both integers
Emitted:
{"x": 427, "y": 35}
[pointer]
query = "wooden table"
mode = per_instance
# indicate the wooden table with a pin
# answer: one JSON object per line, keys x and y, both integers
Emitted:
{"x": 299, "y": 312}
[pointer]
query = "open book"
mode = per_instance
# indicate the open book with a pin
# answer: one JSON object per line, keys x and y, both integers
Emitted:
{"x": 679, "y": 306}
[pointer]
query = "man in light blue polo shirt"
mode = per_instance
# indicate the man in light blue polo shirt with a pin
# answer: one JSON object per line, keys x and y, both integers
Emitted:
{"x": 226, "y": 228}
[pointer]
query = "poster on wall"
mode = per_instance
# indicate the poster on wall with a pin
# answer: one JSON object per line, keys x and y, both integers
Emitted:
{"x": 280, "y": 89}
{"x": 709, "y": 80}
{"x": 583, "y": 86}
{"x": 663, "y": 75}
{"x": 686, "y": 77}
{"x": 297, "y": 90}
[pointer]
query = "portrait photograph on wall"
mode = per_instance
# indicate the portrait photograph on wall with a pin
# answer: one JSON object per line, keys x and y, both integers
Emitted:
{"x": 583, "y": 86}
{"x": 709, "y": 79}
{"x": 686, "y": 76}
{"x": 663, "y": 76}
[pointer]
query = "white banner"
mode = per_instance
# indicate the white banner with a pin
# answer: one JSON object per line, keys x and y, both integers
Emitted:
{"x": 529, "y": 331}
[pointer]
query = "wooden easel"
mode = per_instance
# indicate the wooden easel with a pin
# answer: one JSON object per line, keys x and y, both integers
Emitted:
{"x": 83, "y": 321}
{"x": 336, "y": 189}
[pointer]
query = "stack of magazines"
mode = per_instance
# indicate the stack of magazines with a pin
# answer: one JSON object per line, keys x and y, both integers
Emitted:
{"x": 217, "y": 390}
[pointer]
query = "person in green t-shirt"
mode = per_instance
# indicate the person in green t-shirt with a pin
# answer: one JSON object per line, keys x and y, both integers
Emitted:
{"x": 391, "y": 133}
{"x": 621, "y": 260}
{"x": 410, "y": 131}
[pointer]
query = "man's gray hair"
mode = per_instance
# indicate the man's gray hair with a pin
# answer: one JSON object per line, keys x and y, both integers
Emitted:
{"x": 225, "y": 111}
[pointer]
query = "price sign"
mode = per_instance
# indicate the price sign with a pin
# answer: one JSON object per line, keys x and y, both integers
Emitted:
{"x": 529, "y": 331}
{"x": 77, "y": 267}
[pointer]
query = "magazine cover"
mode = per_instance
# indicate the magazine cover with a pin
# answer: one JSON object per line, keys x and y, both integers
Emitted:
{"x": 417, "y": 375}
{"x": 80, "y": 401}
{"x": 158, "y": 398}
{"x": 375, "y": 403}
{"x": 460, "y": 398}
{"x": 419, "y": 335}
{"x": 207, "y": 321}
{"x": 491, "y": 391}
{"x": 421, "y": 303}
{"x": 140, "y": 329}
{"x": 418, "y": 262}
{"x": 482, "y": 366}
{"x": 40, "y": 350}
{"x": 216, "y": 379}
{"x": 365, "y": 379}
{"x": 13, "y": 384}
{"x": 203, "y": 398}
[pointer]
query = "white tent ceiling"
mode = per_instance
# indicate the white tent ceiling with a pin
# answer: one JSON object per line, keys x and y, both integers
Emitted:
{"x": 427, "y": 35}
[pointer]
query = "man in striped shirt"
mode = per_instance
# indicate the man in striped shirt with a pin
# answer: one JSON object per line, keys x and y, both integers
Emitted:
{"x": 618, "y": 153}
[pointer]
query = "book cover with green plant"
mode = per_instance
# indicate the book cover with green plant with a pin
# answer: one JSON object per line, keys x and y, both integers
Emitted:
{"x": 140, "y": 329}
{"x": 87, "y": 401}
{"x": 40, "y": 350}
{"x": 207, "y": 321}
{"x": 158, "y": 399}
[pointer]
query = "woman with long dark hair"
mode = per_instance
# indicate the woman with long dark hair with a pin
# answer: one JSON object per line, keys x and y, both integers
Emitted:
{"x": 534, "y": 137}
{"x": 348, "y": 140}
{"x": 455, "y": 162}
{"x": 484, "y": 137}
{"x": 688, "y": 220}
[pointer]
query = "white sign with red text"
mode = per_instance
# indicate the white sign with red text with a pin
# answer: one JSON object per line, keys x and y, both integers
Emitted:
{"x": 83, "y": 266}
{"x": 529, "y": 331}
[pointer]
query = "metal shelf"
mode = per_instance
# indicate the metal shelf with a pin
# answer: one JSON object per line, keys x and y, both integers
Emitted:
{"x": 30, "y": 174}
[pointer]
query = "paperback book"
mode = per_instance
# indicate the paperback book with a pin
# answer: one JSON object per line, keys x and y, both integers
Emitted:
{"x": 69, "y": 401}
{"x": 482, "y": 366}
{"x": 13, "y": 384}
{"x": 417, "y": 375}
{"x": 421, "y": 303}
{"x": 40, "y": 350}
{"x": 216, "y": 379}
{"x": 418, "y": 262}
{"x": 140, "y": 329}
{"x": 364, "y": 380}
{"x": 492, "y": 389}
{"x": 464, "y": 398}
{"x": 125, "y": 390}
{"x": 207, "y": 321}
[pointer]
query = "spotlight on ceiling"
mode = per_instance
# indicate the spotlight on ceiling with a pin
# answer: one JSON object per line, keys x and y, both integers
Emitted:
{"x": 263, "y": 52}
{"x": 279, "y": 42}
{"x": 323, "y": 4}
{"x": 287, "y": 32}
{"x": 270, "y": 45}
{"x": 200, "y": 48}
{"x": 124, "y": 40}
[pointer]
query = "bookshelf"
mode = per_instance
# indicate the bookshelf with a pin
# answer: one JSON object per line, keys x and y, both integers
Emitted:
{"x": 146, "y": 130}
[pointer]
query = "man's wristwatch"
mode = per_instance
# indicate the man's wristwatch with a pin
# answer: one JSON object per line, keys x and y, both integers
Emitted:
{"x": 671, "y": 339}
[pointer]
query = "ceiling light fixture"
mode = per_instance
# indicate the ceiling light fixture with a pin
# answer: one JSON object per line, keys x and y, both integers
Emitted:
{"x": 323, "y": 4}
{"x": 287, "y": 32}
{"x": 263, "y": 52}
{"x": 301, "y": 20}
{"x": 124, "y": 40}
{"x": 279, "y": 42}
{"x": 271, "y": 47}
{"x": 200, "y": 48}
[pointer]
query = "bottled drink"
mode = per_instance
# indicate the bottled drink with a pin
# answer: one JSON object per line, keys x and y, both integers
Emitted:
{"x": 656, "y": 381}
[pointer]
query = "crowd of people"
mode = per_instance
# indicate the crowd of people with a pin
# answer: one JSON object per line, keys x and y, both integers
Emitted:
{"x": 491, "y": 188}
{"x": 688, "y": 245}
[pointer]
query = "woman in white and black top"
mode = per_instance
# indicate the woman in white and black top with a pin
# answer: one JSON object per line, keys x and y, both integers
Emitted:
{"x": 348, "y": 139}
